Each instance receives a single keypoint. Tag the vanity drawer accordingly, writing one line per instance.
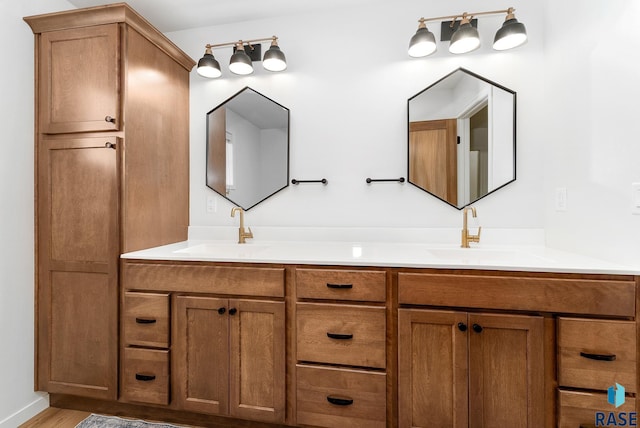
(566, 295)
(341, 334)
(362, 285)
(595, 354)
(199, 278)
(578, 409)
(331, 397)
(146, 319)
(145, 376)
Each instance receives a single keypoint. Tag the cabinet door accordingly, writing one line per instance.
(201, 354)
(506, 380)
(79, 79)
(77, 284)
(258, 366)
(432, 365)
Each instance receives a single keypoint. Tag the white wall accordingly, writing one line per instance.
(347, 86)
(591, 126)
(18, 402)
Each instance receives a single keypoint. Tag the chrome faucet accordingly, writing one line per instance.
(242, 234)
(466, 236)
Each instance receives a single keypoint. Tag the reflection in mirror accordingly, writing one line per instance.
(462, 139)
(248, 148)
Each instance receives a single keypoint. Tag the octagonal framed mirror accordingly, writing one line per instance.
(462, 138)
(248, 148)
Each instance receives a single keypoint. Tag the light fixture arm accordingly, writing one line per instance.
(468, 15)
(241, 42)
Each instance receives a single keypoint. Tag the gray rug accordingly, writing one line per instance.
(99, 421)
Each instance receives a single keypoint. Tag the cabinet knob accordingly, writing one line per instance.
(109, 146)
(221, 311)
(462, 326)
(477, 328)
(110, 119)
(233, 311)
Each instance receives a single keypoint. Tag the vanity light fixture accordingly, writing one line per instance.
(241, 62)
(462, 33)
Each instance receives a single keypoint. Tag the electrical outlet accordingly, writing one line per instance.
(212, 204)
(561, 199)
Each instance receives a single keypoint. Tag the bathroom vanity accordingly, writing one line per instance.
(377, 334)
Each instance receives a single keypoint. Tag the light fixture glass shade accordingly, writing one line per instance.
(511, 35)
(240, 63)
(465, 39)
(208, 66)
(422, 43)
(274, 59)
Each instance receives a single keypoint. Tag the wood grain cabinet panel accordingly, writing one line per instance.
(577, 409)
(229, 357)
(595, 354)
(460, 369)
(145, 376)
(341, 334)
(77, 272)
(145, 318)
(103, 186)
(349, 285)
(340, 397)
(80, 79)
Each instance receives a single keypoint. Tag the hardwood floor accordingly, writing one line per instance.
(56, 418)
(59, 418)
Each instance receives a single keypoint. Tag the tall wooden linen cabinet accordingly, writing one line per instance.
(112, 165)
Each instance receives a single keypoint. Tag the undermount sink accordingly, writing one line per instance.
(223, 250)
(481, 255)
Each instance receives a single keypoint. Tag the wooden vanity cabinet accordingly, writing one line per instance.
(229, 357)
(517, 349)
(226, 344)
(341, 347)
(112, 153)
(459, 369)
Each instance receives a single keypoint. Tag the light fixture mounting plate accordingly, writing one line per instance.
(254, 51)
(446, 30)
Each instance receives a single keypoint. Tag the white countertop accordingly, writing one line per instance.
(532, 258)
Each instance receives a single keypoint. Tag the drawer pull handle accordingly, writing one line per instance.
(145, 320)
(145, 377)
(598, 357)
(339, 336)
(340, 286)
(339, 401)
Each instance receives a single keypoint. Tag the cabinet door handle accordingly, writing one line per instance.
(110, 119)
(598, 357)
(477, 328)
(339, 401)
(145, 377)
(145, 320)
(110, 146)
(339, 336)
(221, 311)
(340, 286)
(233, 311)
(462, 326)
